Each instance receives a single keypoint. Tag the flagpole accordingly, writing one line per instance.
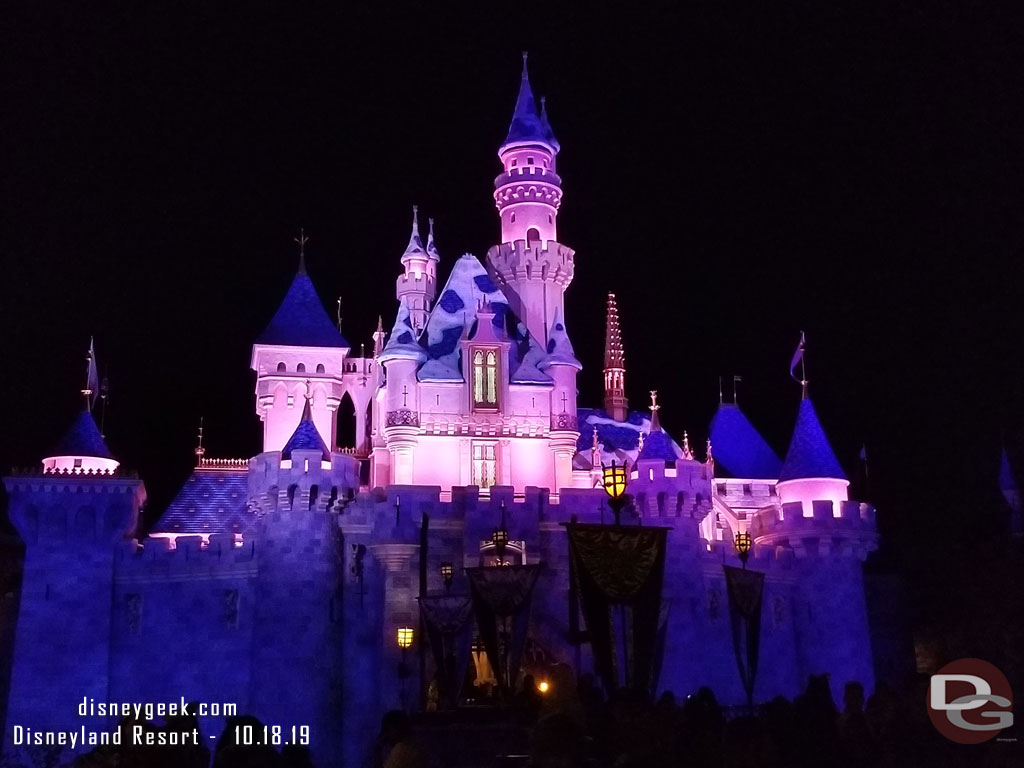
(803, 367)
(87, 391)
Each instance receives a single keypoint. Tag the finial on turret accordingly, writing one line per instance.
(431, 247)
(654, 410)
(92, 382)
(199, 450)
(640, 444)
(719, 389)
(339, 314)
(710, 459)
(735, 380)
(525, 55)
(687, 453)
(798, 357)
(302, 240)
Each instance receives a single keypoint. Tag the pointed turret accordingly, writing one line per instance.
(657, 446)
(809, 455)
(306, 437)
(559, 349)
(527, 126)
(549, 134)
(811, 471)
(431, 248)
(378, 338)
(402, 344)
(417, 285)
(740, 449)
(615, 402)
(81, 449)
(301, 320)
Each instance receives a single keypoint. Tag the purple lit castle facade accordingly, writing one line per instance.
(278, 582)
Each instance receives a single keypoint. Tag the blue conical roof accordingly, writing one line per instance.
(526, 123)
(301, 320)
(83, 438)
(305, 437)
(549, 134)
(810, 454)
(739, 447)
(1007, 482)
(659, 446)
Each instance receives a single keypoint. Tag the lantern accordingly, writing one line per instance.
(405, 635)
(447, 573)
(743, 545)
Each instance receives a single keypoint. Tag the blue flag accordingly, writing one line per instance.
(798, 357)
(92, 377)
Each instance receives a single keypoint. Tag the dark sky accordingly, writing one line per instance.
(735, 174)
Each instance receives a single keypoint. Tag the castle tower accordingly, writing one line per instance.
(561, 365)
(300, 352)
(297, 629)
(530, 262)
(401, 358)
(826, 537)
(615, 403)
(70, 516)
(417, 285)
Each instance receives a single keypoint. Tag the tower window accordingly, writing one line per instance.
(485, 465)
(514, 163)
(300, 368)
(529, 161)
(485, 379)
(513, 219)
(532, 235)
(281, 367)
(320, 368)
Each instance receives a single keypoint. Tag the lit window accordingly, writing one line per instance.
(485, 379)
(484, 465)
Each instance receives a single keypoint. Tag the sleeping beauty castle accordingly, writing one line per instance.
(478, 523)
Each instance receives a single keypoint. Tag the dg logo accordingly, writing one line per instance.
(969, 701)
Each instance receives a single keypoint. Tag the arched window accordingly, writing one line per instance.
(300, 368)
(532, 235)
(320, 368)
(485, 379)
(281, 367)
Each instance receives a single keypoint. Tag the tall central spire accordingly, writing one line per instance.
(615, 402)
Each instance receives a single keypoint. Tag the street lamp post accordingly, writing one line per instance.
(614, 478)
(404, 638)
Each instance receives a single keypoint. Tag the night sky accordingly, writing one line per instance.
(736, 175)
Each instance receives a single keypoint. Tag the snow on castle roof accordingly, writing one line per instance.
(402, 344)
(454, 317)
(560, 351)
(810, 454)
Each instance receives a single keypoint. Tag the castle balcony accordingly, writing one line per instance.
(527, 173)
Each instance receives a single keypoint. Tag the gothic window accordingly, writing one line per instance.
(485, 465)
(485, 379)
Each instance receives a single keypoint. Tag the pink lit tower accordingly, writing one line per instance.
(530, 265)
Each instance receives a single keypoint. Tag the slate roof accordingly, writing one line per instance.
(306, 437)
(810, 454)
(618, 440)
(83, 438)
(211, 501)
(301, 320)
(659, 446)
(739, 447)
(560, 351)
(527, 125)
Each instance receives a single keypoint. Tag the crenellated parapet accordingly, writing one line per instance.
(527, 184)
(303, 482)
(834, 528)
(186, 558)
(680, 489)
(520, 260)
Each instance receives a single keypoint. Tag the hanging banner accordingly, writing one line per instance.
(746, 593)
(619, 573)
(501, 601)
(450, 632)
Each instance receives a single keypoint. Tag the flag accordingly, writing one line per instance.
(92, 378)
(798, 357)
